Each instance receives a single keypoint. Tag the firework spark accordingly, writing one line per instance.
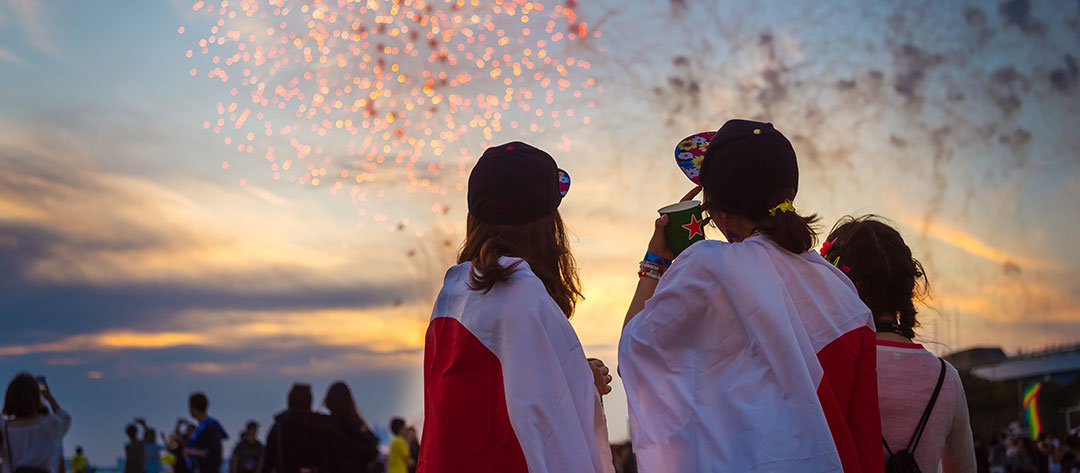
(363, 96)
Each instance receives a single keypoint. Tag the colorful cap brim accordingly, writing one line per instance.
(564, 183)
(690, 152)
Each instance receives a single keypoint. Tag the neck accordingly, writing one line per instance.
(201, 416)
(735, 228)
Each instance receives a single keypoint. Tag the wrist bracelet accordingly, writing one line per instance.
(648, 274)
(656, 259)
(650, 270)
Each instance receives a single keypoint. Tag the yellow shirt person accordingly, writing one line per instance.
(79, 463)
(399, 460)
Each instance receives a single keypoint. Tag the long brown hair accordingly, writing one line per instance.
(339, 401)
(874, 256)
(543, 244)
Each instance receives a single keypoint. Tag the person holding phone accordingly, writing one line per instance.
(753, 354)
(32, 434)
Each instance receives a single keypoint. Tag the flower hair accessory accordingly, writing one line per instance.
(825, 247)
(785, 206)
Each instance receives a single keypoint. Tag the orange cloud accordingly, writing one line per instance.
(375, 331)
(966, 242)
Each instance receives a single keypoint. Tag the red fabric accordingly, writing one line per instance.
(887, 343)
(466, 424)
(848, 395)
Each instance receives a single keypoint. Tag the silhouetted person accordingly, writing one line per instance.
(79, 463)
(414, 447)
(203, 450)
(246, 453)
(177, 441)
(358, 447)
(134, 452)
(298, 441)
(398, 461)
(152, 448)
(32, 435)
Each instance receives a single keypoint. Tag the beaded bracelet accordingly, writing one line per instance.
(650, 270)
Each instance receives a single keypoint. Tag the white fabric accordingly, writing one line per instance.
(35, 443)
(721, 368)
(551, 399)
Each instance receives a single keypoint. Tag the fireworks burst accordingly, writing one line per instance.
(364, 95)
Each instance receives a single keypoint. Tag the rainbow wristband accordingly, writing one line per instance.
(656, 259)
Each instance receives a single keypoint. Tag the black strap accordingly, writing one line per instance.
(914, 442)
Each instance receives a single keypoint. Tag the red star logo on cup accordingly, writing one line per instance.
(694, 227)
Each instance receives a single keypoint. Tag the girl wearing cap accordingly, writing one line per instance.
(507, 386)
(889, 280)
(752, 355)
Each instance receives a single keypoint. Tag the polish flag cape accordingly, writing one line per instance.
(751, 358)
(507, 387)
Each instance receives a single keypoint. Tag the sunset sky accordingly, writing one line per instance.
(143, 255)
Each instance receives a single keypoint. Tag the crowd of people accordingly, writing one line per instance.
(1011, 452)
(755, 353)
(301, 440)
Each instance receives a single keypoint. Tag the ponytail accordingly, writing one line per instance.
(793, 232)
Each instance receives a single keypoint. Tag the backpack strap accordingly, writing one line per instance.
(914, 442)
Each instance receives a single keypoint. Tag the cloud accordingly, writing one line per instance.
(235, 340)
(29, 16)
(971, 244)
(9, 56)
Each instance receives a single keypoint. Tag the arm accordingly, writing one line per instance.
(958, 454)
(65, 418)
(658, 245)
(646, 287)
(46, 393)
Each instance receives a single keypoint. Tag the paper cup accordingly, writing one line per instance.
(684, 225)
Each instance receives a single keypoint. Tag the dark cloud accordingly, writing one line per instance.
(1063, 78)
(974, 16)
(912, 63)
(1017, 141)
(1018, 13)
(1006, 86)
(35, 311)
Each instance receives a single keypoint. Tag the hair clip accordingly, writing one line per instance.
(785, 206)
(825, 246)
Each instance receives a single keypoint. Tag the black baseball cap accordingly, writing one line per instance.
(514, 184)
(749, 168)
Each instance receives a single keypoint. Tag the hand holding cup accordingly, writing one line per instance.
(662, 244)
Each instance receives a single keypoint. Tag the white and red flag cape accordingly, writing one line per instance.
(751, 358)
(507, 387)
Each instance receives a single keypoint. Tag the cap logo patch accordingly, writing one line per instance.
(564, 183)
